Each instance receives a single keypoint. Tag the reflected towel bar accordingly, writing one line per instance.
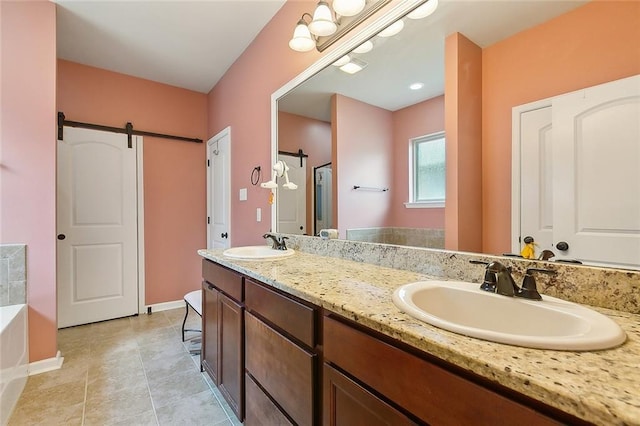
(369, 188)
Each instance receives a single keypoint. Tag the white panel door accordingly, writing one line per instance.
(97, 252)
(596, 154)
(218, 190)
(536, 177)
(292, 204)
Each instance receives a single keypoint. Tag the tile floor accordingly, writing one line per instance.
(129, 371)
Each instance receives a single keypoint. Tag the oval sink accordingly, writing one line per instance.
(551, 323)
(257, 253)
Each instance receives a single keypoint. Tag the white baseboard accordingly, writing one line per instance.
(165, 306)
(45, 365)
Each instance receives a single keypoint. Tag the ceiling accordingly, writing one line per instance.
(416, 54)
(188, 44)
(191, 44)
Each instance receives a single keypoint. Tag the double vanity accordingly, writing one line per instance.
(316, 338)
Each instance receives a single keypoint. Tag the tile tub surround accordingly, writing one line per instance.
(416, 237)
(13, 276)
(602, 387)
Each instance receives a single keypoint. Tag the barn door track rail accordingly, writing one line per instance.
(127, 130)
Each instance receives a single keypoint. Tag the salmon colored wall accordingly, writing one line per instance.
(241, 99)
(174, 171)
(314, 138)
(590, 45)
(463, 114)
(416, 120)
(363, 156)
(28, 162)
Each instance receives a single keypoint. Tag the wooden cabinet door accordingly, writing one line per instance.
(346, 403)
(260, 410)
(231, 377)
(209, 356)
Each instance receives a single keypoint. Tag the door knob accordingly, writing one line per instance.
(224, 235)
(61, 236)
(562, 246)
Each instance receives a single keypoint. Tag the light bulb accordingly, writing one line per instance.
(425, 10)
(322, 23)
(348, 7)
(392, 29)
(302, 41)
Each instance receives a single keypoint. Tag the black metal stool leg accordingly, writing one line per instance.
(184, 322)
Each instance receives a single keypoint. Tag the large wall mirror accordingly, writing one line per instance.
(356, 130)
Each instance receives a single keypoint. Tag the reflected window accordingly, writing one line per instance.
(427, 171)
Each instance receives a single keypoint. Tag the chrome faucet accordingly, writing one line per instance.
(498, 279)
(278, 243)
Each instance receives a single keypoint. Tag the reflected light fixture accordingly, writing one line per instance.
(416, 86)
(344, 60)
(425, 10)
(348, 7)
(392, 29)
(364, 47)
(353, 66)
(280, 169)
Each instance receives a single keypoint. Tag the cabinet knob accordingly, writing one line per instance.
(61, 236)
(224, 235)
(562, 246)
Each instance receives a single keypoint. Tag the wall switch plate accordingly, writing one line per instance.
(259, 214)
(243, 194)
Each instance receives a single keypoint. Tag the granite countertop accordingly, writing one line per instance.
(602, 387)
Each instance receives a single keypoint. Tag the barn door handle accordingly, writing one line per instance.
(61, 236)
(224, 235)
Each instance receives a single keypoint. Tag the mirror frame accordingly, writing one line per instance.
(359, 37)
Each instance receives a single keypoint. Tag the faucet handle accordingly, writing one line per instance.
(490, 278)
(529, 289)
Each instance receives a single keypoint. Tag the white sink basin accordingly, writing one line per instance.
(551, 323)
(257, 253)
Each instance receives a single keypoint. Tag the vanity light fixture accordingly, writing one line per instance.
(353, 66)
(326, 26)
(280, 169)
(348, 7)
(392, 29)
(322, 23)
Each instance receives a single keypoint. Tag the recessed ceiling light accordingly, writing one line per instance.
(364, 47)
(392, 29)
(354, 66)
(416, 86)
(344, 60)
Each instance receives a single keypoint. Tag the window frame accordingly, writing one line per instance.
(413, 146)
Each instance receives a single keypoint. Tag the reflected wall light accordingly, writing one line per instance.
(326, 26)
(280, 169)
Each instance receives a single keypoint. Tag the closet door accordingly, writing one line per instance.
(596, 173)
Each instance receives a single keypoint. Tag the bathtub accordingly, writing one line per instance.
(14, 357)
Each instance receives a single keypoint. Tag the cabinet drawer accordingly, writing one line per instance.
(283, 369)
(433, 394)
(224, 279)
(260, 410)
(293, 317)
